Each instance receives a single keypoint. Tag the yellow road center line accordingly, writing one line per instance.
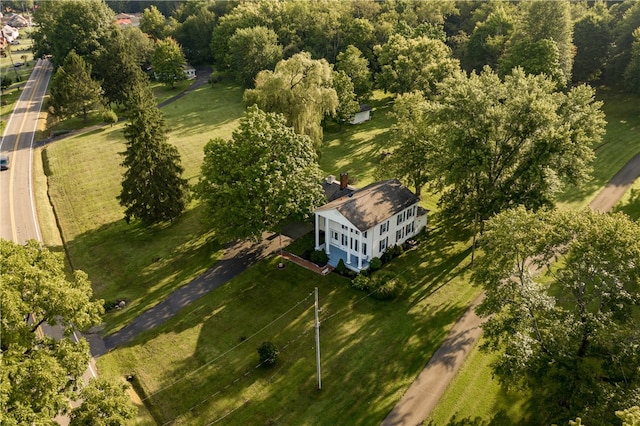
(12, 213)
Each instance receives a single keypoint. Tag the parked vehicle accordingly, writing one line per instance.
(4, 162)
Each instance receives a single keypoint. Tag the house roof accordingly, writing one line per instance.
(332, 190)
(373, 204)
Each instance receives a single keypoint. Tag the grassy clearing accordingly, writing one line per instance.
(474, 395)
(630, 203)
(371, 350)
(619, 145)
(139, 265)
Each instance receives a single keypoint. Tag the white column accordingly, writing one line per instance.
(350, 243)
(315, 217)
(360, 250)
(327, 235)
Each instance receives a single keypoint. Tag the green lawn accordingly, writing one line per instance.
(475, 395)
(124, 261)
(619, 145)
(372, 350)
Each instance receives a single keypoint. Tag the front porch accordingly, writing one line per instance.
(337, 253)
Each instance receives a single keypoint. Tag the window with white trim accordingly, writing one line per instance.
(400, 218)
(383, 244)
(384, 227)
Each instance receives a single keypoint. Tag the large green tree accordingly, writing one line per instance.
(194, 33)
(68, 25)
(534, 57)
(415, 143)
(168, 62)
(489, 39)
(301, 89)
(264, 175)
(153, 189)
(40, 374)
(566, 330)
(118, 64)
(623, 30)
(347, 104)
(592, 38)
(104, 403)
(548, 20)
(408, 64)
(252, 50)
(73, 91)
(632, 71)
(512, 142)
(356, 66)
(154, 23)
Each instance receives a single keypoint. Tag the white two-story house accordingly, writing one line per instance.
(361, 223)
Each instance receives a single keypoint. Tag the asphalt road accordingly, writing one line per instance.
(18, 216)
(18, 220)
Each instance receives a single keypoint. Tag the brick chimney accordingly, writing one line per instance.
(344, 180)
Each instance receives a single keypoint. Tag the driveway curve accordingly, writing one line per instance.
(425, 392)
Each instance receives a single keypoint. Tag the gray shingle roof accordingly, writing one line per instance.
(373, 204)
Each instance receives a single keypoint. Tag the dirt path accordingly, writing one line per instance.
(425, 392)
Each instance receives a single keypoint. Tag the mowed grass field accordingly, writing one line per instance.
(199, 366)
(129, 262)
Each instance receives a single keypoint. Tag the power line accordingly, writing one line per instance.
(238, 378)
(225, 353)
(251, 370)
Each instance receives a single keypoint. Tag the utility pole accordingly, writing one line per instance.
(318, 341)
(473, 246)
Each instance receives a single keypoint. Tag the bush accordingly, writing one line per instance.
(268, 353)
(341, 267)
(361, 282)
(319, 257)
(215, 77)
(6, 82)
(375, 264)
(387, 286)
(110, 117)
(392, 252)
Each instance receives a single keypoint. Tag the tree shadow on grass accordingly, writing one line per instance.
(370, 351)
(143, 265)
